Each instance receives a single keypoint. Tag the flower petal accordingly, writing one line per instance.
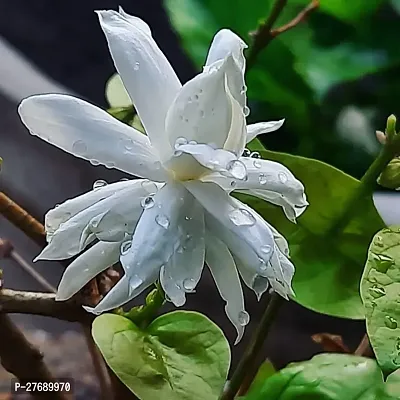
(139, 23)
(86, 267)
(183, 271)
(158, 234)
(88, 132)
(223, 270)
(76, 233)
(145, 71)
(240, 220)
(226, 43)
(202, 111)
(253, 130)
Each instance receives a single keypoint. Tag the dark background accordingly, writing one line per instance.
(63, 39)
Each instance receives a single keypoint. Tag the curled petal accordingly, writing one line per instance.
(253, 130)
(202, 111)
(243, 223)
(86, 267)
(88, 132)
(183, 271)
(76, 233)
(145, 71)
(223, 270)
(135, 21)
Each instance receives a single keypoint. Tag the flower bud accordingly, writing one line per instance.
(390, 177)
(381, 137)
(391, 127)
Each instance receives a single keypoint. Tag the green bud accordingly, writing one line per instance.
(390, 177)
(391, 127)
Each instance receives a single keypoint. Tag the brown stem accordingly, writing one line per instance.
(364, 348)
(265, 33)
(22, 359)
(37, 303)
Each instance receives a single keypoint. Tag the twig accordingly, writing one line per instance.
(37, 303)
(22, 359)
(250, 354)
(364, 348)
(265, 33)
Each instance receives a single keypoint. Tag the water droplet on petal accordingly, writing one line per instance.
(192, 142)
(109, 164)
(128, 144)
(390, 322)
(377, 291)
(246, 111)
(263, 265)
(147, 202)
(257, 164)
(196, 96)
(243, 89)
(79, 147)
(283, 177)
(201, 113)
(246, 153)
(149, 186)
(243, 318)
(136, 66)
(124, 180)
(233, 183)
(179, 142)
(134, 282)
(242, 217)
(266, 249)
(262, 178)
(189, 284)
(125, 246)
(162, 220)
(99, 184)
(255, 154)
(237, 169)
(94, 162)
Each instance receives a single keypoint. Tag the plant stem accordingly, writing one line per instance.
(366, 187)
(250, 354)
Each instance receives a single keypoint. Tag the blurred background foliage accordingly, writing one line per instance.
(335, 77)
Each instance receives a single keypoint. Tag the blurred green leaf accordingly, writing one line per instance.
(180, 355)
(264, 372)
(116, 94)
(380, 292)
(329, 377)
(328, 266)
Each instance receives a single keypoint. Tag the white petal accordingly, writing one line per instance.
(253, 130)
(125, 290)
(237, 218)
(223, 270)
(226, 43)
(88, 132)
(65, 211)
(146, 73)
(202, 111)
(77, 232)
(158, 235)
(137, 22)
(86, 267)
(183, 271)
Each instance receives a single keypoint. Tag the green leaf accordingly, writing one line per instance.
(264, 372)
(380, 292)
(329, 377)
(328, 266)
(180, 355)
(116, 94)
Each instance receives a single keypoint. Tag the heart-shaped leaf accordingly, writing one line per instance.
(380, 292)
(180, 355)
(328, 264)
(329, 377)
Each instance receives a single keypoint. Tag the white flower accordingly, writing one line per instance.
(165, 226)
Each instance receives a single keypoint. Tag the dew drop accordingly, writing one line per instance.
(196, 96)
(243, 318)
(237, 169)
(255, 154)
(189, 284)
(390, 322)
(147, 202)
(378, 241)
(150, 187)
(397, 344)
(128, 144)
(266, 249)
(283, 177)
(99, 184)
(178, 143)
(109, 164)
(242, 217)
(246, 111)
(263, 265)
(243, 89)
(396, 360)
(201, 113)
(134, 282)
(125, 246)
(383, 262)
(257, 164)
(79, 147)
(246, 153)
(233, 183)
(377, 291)
(162, 220)
(124, 180)
(136, 66)
(262, 178)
